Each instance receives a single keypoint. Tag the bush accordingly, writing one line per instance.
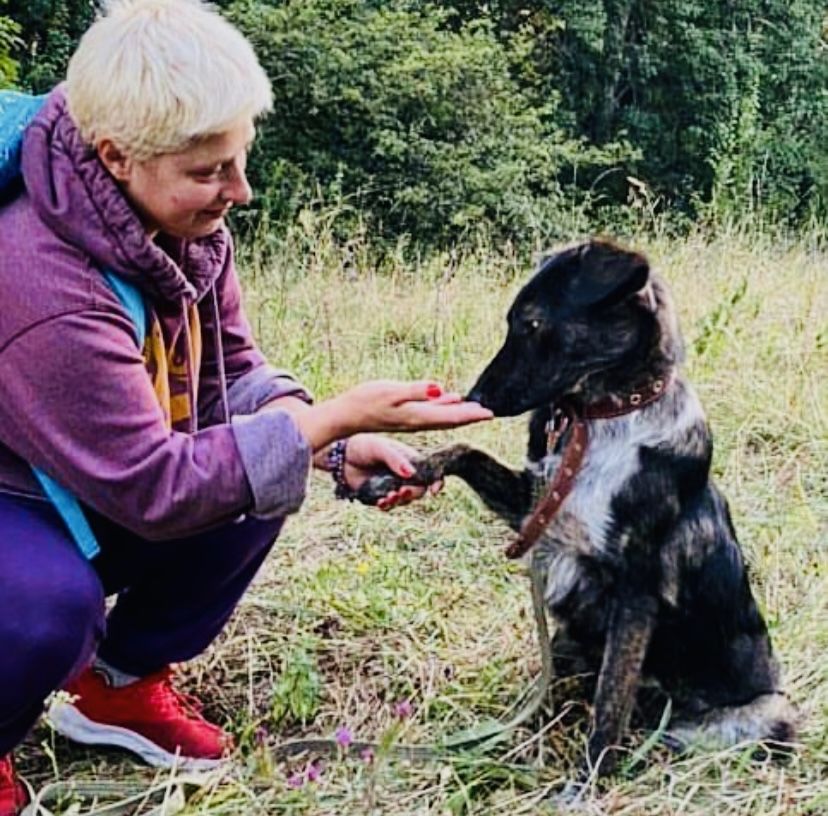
(49, 32)
(419, 124)
(8, 41)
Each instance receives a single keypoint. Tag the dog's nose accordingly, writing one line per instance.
(475, 395)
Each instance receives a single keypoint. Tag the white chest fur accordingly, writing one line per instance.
(584, 524)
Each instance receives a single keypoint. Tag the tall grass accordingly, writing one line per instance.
(356, 610)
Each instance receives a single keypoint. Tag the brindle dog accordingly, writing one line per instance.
(644, 575)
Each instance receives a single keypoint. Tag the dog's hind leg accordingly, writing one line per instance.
(508, 493)
(770, 718)
(630, 628)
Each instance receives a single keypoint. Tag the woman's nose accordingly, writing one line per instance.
(238, 190)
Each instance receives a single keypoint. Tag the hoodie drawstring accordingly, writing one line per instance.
(218, 347)
(188, 365)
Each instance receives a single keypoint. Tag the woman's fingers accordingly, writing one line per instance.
(420, 391)
(436, 416)
(397, 498)
(398, 460)
(386, 405)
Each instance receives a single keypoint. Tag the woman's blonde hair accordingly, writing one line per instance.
(156, 75)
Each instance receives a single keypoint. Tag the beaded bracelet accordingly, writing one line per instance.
(336, 463)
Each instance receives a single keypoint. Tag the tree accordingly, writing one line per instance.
(49, 31)
(9, 40)
(417, 122)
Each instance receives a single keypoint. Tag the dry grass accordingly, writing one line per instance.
(357, 609)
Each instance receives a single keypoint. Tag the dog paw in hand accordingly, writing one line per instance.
(377, 487)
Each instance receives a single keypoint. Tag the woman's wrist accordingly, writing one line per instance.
(337, 457)
(323, 423)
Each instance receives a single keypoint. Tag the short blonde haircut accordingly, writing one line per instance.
(155, 76)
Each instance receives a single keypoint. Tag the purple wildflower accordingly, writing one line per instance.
(403, 709)
(313, 772)
(344, 737)
(367, 756)
(296, 780)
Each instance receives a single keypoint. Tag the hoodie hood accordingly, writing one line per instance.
(77, 198)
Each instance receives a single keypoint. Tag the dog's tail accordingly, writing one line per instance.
(769, 718)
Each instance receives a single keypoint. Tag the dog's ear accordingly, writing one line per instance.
(607, 274)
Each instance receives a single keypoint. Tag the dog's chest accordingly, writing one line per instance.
(584, 537)
(584, 521)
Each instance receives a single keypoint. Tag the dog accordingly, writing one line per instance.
(642, 569)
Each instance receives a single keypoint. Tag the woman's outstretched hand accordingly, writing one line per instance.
(387, 405)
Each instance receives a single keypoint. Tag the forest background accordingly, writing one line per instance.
(430, 123)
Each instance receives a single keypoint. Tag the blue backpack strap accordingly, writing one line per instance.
(66, 504)
(16, 111)
(71, 512)
(133, 301)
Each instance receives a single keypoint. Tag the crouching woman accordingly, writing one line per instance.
(133, 388)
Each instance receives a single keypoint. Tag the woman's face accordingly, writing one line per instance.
(186, 194)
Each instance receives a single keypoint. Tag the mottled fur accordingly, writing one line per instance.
(645, 577)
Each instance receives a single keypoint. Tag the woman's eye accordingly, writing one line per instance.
(208, 172)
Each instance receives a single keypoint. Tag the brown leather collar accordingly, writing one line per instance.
(570, 418)
(618, 405)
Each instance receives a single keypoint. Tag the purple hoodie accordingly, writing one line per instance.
(77, 400)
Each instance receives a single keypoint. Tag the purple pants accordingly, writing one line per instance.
(174, 597)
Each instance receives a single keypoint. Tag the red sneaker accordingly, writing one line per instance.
(13, 796)
(148, 717)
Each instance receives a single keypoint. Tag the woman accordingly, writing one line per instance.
(185, 454)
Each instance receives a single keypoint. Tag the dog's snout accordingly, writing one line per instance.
(475, 395)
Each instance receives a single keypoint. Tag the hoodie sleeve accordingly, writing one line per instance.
(78, 404)
(251, 381)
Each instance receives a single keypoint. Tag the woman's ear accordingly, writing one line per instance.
(118, 163)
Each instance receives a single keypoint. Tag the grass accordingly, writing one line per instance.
(356, 610)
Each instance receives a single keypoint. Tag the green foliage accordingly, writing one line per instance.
(429, 122)
(418, 124)
(49, 30)
(727, 103)
(296, 696)
(9, 40)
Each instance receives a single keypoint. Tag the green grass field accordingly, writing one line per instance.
(357, 610)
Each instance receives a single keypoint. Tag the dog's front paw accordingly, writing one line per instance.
(602, 757)
(377, 487)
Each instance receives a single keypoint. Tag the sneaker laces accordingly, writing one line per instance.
(168, 699)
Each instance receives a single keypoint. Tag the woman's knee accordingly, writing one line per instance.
(51, 623)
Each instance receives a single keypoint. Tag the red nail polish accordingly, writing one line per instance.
(433, 391)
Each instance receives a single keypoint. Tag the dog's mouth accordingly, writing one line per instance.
(499, 407)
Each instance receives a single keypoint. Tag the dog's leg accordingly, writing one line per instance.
(628, 636)
(508, 493)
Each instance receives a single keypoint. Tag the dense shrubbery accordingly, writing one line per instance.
(9, 41)
(436, 119)
(419, 124)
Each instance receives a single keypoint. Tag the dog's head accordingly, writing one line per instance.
(590, 315)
